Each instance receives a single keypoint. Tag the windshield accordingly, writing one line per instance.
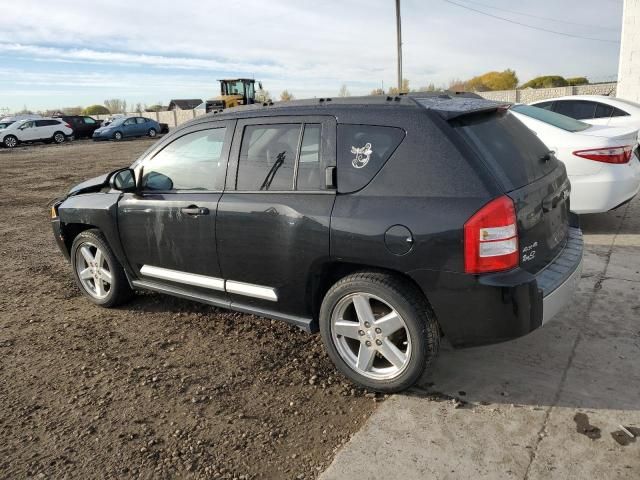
(555, 119)
(4, 124)
(234, 88)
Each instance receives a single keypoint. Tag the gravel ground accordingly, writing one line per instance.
(159, 388)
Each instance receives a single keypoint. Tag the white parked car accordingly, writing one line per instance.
(602, 162)
(595, 109)
(49, 130)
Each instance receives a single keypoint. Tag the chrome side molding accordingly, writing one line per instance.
(251, 290)
(183, 277)
(213, 283)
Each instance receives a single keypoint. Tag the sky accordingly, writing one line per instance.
(74, 53)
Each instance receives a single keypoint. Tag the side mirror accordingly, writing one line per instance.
(123, 180)
(260, 85)
(157, 181)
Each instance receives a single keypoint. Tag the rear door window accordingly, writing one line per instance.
(511, 151)
(268, 157)
(362, 151)
(619, 113)
(578, 109)
(603, 111)
(309, 175)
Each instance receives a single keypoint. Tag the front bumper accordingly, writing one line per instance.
(102, 135)
(59, 236)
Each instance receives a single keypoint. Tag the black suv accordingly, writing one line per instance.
(82, 125)
(384, 222)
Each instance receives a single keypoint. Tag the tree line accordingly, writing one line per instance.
(490, 81)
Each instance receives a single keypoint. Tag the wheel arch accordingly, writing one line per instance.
(327, 274)
(71, 230)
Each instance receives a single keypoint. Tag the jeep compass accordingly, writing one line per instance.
(385, 223)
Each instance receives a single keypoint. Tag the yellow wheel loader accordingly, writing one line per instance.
(233, 92)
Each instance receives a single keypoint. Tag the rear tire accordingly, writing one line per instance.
(379, 330)
(58, 137)
(10, 141)
(152, 132)
(96, 270)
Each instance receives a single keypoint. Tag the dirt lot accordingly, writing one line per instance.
(159, 388)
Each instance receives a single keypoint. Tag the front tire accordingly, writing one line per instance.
(379, 330)
(97, 271)
(117, 136)
(58, 137)
(10, 141)
(152, 132)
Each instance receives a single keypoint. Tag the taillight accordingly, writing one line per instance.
(67, 125)
(607, 155)
(491, 238)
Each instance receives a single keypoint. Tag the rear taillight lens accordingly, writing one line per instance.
(491, 238)
(67, 125)
(607, 155)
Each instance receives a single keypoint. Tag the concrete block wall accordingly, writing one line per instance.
(532, 94)
(629, 66)
(172, 118)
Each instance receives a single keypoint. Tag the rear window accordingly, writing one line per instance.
(512, 152)
(577, 109)
(362, 151)
(552, 118)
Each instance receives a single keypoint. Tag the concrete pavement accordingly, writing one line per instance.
(522, 397)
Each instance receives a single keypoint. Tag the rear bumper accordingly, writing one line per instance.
(560, 279)
(484, 309)
(612, 186)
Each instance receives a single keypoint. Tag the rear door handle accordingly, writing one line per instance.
(195, 210)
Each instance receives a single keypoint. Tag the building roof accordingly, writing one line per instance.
(184, 103)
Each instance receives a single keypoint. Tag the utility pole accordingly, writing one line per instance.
(399, 32)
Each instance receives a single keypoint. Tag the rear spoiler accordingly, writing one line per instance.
(449, 107)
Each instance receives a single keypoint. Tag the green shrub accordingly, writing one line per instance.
(546, 81)
(578, 81)
(96, 110)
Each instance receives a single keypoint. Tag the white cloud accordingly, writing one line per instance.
(310, 48)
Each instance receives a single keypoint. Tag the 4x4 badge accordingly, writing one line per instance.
(362, 155)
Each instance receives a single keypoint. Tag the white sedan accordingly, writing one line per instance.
(595, 109)
(602, 162)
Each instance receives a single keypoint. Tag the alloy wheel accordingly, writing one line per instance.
(93, 270)
(370, 336)
(58, 138)
(10, 142)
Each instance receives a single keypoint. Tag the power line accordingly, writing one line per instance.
(541, 18)
(531, 26)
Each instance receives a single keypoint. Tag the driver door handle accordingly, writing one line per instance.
(195, 210)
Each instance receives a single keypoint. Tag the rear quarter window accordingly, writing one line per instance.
(362, 151)
(512, 152)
